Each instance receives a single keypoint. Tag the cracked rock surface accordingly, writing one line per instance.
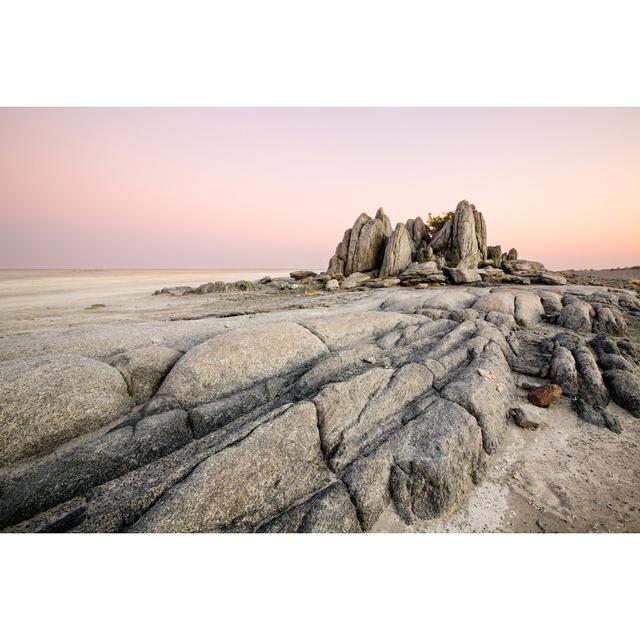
(319, 419)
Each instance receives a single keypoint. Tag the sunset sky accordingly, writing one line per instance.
(269, 188)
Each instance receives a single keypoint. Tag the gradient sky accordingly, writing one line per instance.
(268, 188)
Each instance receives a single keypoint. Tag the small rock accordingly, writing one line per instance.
(356, 279)
(301, 275)
(515, 280)
(525, 419)
(463, 276)
(547, 277)
(332, 285)
(545, 395)
(384, 283)
(523, 265)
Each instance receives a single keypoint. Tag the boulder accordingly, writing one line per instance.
(301, 275)
(420, 233)
(338, 261)
(354, 238)
(381, 215)
(336, 266)
(239, 358)
(144, 369)
(370, 246)
(614, 361)
(563, 371)
(490, 274)
(47, 400)
(551, 301)
(544, 395)
(609, 320)
(332, 285)
(175, 291)
(495, 253)
(576, 315)
(462, 240)
(383, 284)
(397, 255)
(528, 309)
(512, 254)
(417, 270)
(463, 276)
(548, 277)
(435, 278)
(526, 419)
(519, 267)
(354, 280)
(510, 279)
(500, 301)
(625, 389)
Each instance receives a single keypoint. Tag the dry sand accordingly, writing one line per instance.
(35, 289)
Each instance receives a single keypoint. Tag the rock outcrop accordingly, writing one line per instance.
(462, 239)
(362, 247)
(370, 246)
(301, 422)
(48, 400)
(398, 252)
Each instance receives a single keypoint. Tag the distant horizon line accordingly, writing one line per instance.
(291, 268)
(149, 268)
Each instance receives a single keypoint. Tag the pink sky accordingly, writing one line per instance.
(268, 188)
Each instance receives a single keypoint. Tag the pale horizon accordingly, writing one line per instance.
(251, 188)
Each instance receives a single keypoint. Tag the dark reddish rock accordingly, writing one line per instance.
(545, 395)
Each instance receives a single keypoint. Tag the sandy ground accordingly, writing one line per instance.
(567, 476)
(36, 300)
(36, 289)
(627, 278)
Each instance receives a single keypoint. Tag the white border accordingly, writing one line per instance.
(335, 52)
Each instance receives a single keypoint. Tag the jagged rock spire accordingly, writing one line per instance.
(463, 239)
(371, 245)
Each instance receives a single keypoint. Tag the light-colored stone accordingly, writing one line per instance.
(529, 266)
(354, 280)
(47, 400)
(463, 239)
(397, 255)
(463, 276)
(332, 285)
(230, 362)
(278, 464)
(144, 369)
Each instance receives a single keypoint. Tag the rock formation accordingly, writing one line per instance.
(463, 239)
(397, 253)
(318, 420)
(297, 422)
(371, 246)
(458, 249)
